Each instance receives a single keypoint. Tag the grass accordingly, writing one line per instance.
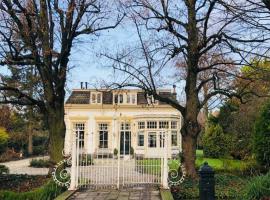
(153, 166)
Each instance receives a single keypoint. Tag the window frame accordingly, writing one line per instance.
(154, 134)
(96, 94)
(140, 133)
(103, 128)
(174, 133)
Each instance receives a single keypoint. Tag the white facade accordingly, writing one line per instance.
(125, 126)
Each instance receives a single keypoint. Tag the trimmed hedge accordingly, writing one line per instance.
(47, 192)
(40, 163)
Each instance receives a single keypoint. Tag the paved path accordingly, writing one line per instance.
(22, 167)
(142, 193)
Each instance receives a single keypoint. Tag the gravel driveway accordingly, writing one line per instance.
(22, 167)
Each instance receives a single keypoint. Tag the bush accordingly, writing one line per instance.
(261, 139)
(39, 150)
(9, 155)
(115, 152)
(215, 143)
(46, 192)
(3, 139)
(257, 188)
(4, 169)
(39, 163)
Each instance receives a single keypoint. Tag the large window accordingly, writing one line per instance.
(152, 124)
(174, 138)
(140, 139)
(103, 135)
(152, 140)
(79, 131)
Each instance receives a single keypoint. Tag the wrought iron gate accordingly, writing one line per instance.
(103, 169)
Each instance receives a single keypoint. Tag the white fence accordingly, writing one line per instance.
(105, 170)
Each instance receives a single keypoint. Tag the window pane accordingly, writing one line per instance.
(174, 125)
(151, 124)
(161, 139)
(164, 124)
(152, 140)
(99, 98)
(116, 98)
(133, 99)
(128, 98)
(94, 98)
(103, 135)
(120, 98)
(140, 139)
(141, 125)
(79, 131)
(174, 138)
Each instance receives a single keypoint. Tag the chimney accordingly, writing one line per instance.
(86, 85)
(82, 85)
(174, 89)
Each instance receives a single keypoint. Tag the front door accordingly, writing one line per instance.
(125, 142)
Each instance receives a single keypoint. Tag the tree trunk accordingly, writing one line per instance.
(30, 138)
(189, 155)
(57, 131)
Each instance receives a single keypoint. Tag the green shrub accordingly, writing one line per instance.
(4, 169)
(115, 152)
(3, 139)
(46, 192)
(39, 150)
(215, 143)
(261, 139)
(257, 188)
(39, 163)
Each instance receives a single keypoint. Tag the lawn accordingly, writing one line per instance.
(153, 166)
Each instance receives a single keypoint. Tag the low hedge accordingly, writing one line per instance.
(4, 169)
(47, 192)
(40, 163)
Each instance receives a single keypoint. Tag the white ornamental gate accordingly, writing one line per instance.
(102, 169)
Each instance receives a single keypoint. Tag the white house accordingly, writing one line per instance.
(126, 120)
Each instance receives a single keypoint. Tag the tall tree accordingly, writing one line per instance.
(40, 34)
(187, 30)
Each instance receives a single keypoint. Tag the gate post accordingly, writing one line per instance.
(74, 152)
(165, 164)
(207, 182)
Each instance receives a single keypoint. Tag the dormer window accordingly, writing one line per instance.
(125, 98)
(96, 97)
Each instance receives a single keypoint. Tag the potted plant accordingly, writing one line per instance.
(115, 153)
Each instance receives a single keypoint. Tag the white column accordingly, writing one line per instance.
(73, 164)
(165, 164)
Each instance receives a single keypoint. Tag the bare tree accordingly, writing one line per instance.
(188, 30)
(40, 34)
